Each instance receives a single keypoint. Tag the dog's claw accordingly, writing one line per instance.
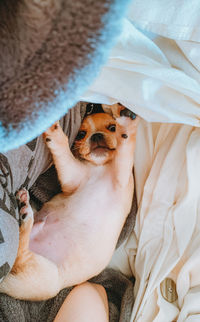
(25, 210)
(22, 195)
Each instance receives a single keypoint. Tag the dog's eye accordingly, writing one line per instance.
(80, 135)
(112, 127)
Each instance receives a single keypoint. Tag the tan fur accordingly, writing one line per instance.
(93, 124)
(113, 110)
(96, 199)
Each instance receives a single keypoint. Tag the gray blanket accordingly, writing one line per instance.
(30, 166)
(119, 290)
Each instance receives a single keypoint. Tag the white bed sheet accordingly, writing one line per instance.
(144, 77)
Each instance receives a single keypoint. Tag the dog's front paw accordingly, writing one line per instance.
(54, 136)
(128, 122)
(25, 210)
(52, 132)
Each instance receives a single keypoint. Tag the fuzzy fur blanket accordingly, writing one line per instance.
(50, 51)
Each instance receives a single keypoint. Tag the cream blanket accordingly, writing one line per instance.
(154, 70)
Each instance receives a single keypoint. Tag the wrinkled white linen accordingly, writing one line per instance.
(176, 19)
(158, 78)
(144, 78)
(166, 240)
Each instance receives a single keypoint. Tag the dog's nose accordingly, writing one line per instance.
(97, 137)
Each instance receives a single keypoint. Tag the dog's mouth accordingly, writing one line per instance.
(101, 147)
(100, 150)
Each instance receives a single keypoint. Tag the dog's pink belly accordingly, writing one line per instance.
(50, 241)
(75, 228)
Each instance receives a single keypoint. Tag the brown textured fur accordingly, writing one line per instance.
(42, 42)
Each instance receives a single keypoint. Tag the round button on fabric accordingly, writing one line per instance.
(168, 290)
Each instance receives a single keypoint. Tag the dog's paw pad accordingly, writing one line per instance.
(23, 216)
(124, 136)
(23, 197)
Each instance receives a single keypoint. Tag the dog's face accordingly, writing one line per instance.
(97, 139)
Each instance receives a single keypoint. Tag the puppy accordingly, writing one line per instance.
(75, 233)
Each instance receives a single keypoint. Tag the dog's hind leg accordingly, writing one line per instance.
(32, 277)
(26, 224)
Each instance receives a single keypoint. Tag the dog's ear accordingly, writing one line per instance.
(92, 108)
(113, 110)
(107, 109)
